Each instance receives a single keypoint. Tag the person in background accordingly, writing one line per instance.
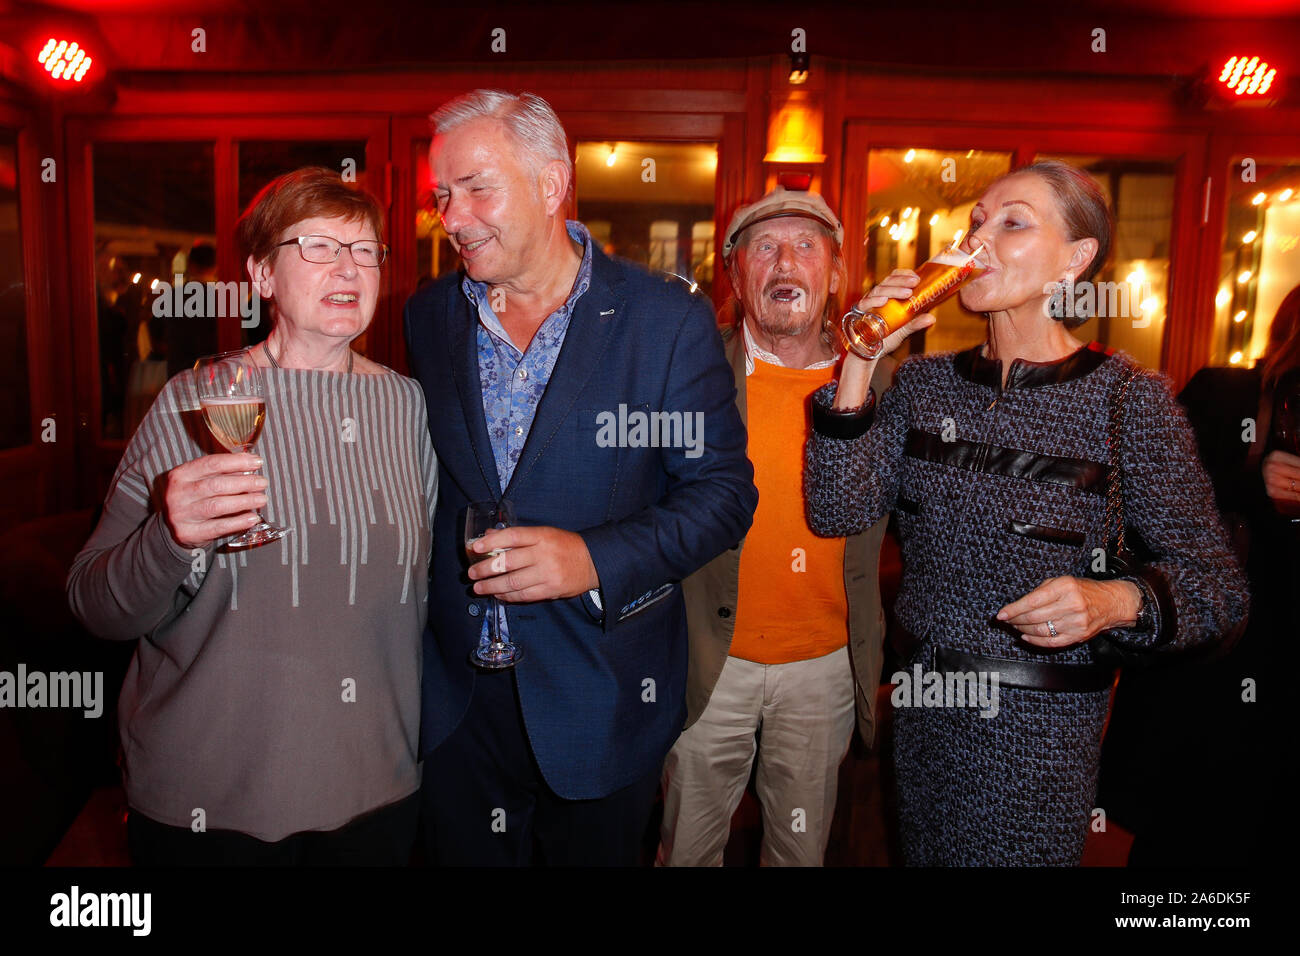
(528, 357)
(785, 630)
(271, 710)
(190, 336)
(995, 461)
(1223, 703)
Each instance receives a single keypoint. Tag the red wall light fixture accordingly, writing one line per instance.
(1247, 76)
(64, 60)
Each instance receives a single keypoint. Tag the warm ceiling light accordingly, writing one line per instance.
(1240, 316)
(907, 213)
(884, 222)
(909, 156)
(957, 236)
(1259, 198)
(1249, 237)
(64, 60)
(1284, 195)
(1223, 297)
(934, 219)
(1244, 277)
(1249, 77)
(1235, 358)
(1149, 305)
(135, 279)
(611, 158)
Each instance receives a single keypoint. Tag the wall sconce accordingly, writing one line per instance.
(794, 133)
(799, 68)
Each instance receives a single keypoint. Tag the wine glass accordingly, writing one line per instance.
(494, 652)
(232, 395)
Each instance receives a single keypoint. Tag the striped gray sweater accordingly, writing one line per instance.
(275, 689)
(995, 490)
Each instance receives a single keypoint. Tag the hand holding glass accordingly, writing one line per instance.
(495, 651)
(232, 395)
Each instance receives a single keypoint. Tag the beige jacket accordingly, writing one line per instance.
(711, 593)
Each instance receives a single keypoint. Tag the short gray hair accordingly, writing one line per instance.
(526, 116)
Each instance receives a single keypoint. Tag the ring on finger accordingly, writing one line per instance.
(1051, 629)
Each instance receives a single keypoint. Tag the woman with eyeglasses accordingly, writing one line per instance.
(271, 712)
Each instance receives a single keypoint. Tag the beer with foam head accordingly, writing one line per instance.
(865, 332)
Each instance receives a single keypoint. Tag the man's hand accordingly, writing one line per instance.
(1282, 480)
(541, 564)
(211, 497)
(1078, 608)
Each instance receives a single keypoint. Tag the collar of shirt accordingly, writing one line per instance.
(753, 352)
(479, 294)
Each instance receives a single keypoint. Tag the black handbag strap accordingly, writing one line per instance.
(1113, 522)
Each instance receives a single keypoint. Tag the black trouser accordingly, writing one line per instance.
(383, 837)
(486, 804)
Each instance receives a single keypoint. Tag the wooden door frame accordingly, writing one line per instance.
(37, 474)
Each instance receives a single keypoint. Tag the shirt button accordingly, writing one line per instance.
(724, 612)
(519, 429)
(473, 610)
(523, 374)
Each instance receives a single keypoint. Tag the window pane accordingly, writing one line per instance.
(260, 162)
(1136, 289)
(154, 217)
(1261, 259)
(918, 200)
(15, 414)
(653, 197)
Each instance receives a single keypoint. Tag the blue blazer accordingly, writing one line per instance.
(602, 688)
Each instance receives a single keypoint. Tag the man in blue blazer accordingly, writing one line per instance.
(597, 399)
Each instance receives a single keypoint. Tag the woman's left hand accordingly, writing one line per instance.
(1078, 608)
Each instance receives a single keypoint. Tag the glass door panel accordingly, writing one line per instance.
(918, 201)
(154, 212)
(1132, 290)
(1260, 258)
(651, 202)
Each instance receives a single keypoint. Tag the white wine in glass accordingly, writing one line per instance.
(233, 400)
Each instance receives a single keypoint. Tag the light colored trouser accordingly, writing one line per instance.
(805, 711)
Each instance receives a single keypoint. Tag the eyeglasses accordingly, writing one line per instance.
(365, 252)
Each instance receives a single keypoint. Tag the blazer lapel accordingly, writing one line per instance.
(590, 328)
(464, 369)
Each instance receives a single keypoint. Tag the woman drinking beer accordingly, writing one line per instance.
(997, 464)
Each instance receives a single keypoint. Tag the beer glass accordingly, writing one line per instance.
(865, 332)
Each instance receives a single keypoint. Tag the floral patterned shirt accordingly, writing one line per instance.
(513, 382)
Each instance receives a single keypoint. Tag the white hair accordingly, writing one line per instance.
(527, 117)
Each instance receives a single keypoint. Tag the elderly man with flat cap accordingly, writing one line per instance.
(786, 629)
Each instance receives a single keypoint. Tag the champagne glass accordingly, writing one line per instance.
(232, 395)
(494, 652)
